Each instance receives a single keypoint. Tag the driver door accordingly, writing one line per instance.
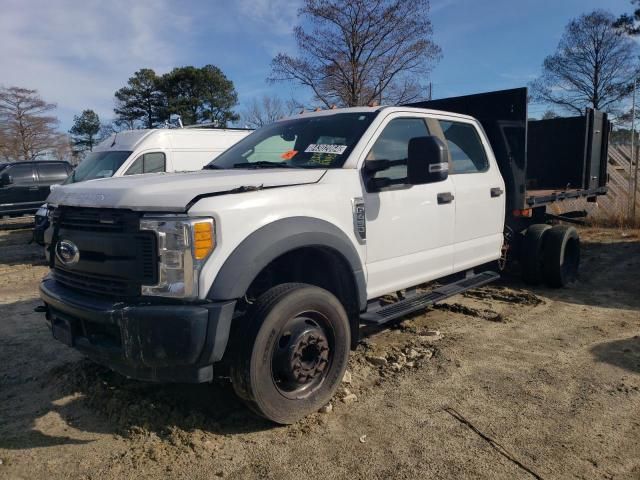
(409, 228)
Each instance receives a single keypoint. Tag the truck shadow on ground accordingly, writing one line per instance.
(609, 277)
(621, 353)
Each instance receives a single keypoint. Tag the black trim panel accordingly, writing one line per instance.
(169, 342)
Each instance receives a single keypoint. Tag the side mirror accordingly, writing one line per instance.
(428, 161)
(5, 179)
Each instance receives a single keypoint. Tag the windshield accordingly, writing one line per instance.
(98, 165)
(312, 142)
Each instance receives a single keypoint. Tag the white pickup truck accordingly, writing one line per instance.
(263, 266)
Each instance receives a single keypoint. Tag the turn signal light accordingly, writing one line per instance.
(527, 212)
(203, 241)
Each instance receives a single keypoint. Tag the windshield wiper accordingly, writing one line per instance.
(262, 164)
(211, 166)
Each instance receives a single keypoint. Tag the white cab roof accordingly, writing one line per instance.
(179, 138)
(386, 109)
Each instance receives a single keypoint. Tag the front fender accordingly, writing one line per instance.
(271, 241)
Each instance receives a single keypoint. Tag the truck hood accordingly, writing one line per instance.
(174, 192)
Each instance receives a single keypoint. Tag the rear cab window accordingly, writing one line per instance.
(51, 172)
(465, 147)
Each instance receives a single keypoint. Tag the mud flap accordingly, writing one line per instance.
(61, 330)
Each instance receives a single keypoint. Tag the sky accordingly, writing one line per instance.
(78, 53)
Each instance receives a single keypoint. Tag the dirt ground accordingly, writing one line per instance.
(519, 383)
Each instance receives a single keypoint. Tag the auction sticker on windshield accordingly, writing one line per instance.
(321, 148)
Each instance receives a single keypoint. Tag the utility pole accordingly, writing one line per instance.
(632, 196)
(635, 190)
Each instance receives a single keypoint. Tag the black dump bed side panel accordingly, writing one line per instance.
(568, 153)
(556, 153)
(503, 115)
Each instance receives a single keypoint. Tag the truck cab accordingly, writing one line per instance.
(25, 185)
(263, 266)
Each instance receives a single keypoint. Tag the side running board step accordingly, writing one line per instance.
(396, 310)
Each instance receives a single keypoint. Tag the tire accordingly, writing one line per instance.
(292, 353)
(532, 256)
(561, 252)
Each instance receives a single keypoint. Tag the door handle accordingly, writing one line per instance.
(496, 192)
(445, 197)
(34, 188)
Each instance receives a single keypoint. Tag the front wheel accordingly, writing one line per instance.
(293, 352)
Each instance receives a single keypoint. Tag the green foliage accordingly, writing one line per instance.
(630, 23)
(85, 130)
(141, 101)
(198, 95)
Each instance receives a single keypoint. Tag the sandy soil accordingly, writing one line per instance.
(520, 383)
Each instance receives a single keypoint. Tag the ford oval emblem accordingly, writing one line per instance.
(67, 252)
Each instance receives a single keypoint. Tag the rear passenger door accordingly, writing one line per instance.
(50, 174)
(23, 190)
(479, 195)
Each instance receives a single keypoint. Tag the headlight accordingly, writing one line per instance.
(184, 244)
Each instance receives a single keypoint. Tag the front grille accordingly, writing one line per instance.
(97, 220)
(116, 258)
(98, 284)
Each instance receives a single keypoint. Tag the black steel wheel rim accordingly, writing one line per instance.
(302, 354)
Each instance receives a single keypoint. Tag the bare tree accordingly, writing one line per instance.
(593, 66)
(63, 149)
(358, 51)
(27, 132)
(267, 110)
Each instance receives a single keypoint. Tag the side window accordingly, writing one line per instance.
(148, 163)
(393, 144)
(465, 147)
(136, 166)
(21, 174)
(154, 162)
(51, 172)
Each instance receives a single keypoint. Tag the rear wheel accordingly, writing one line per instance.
(531, 257)
(561, 252)
(293, 353)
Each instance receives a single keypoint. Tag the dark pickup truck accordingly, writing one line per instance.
(25, 186)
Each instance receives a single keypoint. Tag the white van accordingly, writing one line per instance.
(132, 152)
(150, 151)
